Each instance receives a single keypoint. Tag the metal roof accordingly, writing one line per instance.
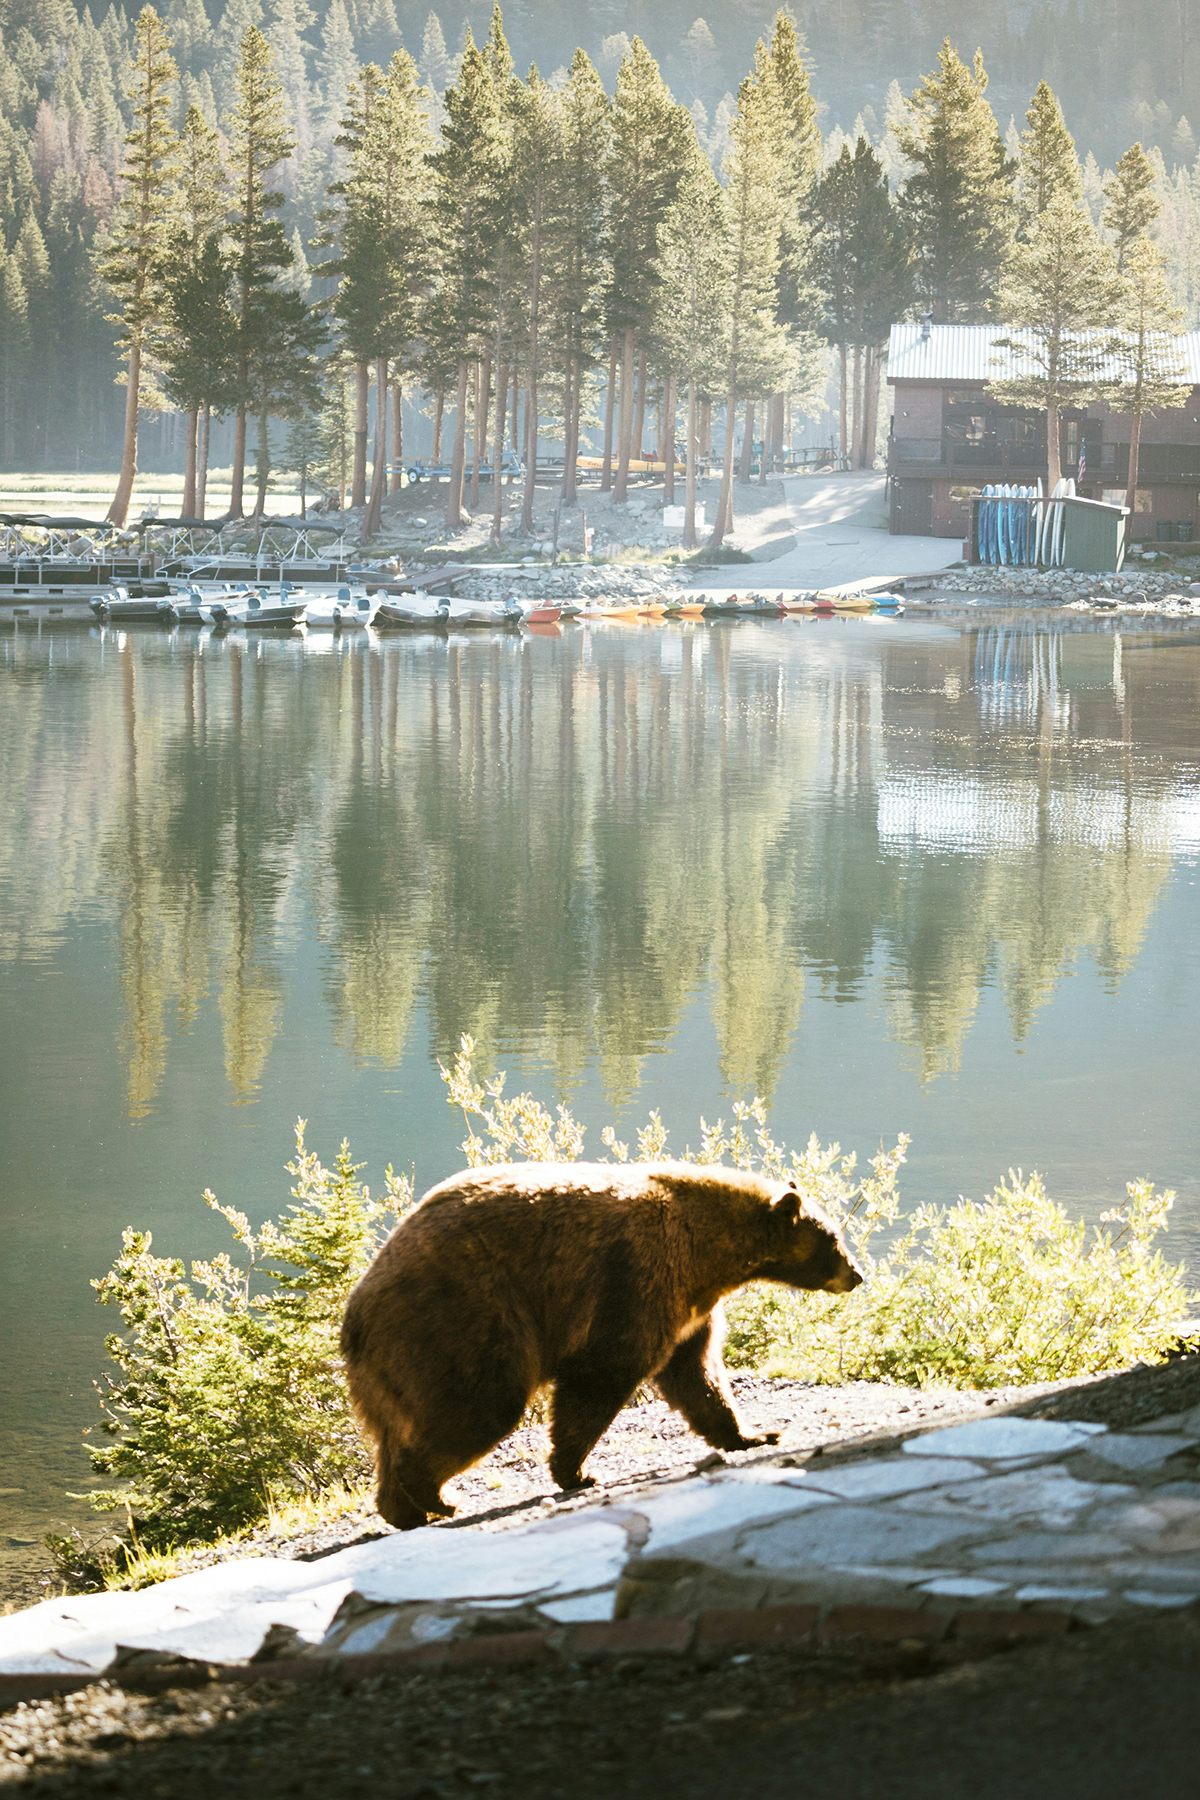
(918, 352)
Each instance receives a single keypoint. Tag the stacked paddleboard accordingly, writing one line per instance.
(1009, 525)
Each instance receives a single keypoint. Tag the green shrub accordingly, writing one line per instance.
(229, 1390)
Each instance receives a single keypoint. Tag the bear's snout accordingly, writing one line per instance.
(847, 1278)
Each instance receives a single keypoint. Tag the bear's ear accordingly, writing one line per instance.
(787, 1207)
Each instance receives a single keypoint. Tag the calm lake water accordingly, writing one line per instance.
(890, 875)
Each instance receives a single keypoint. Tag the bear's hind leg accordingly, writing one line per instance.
(693, 1382)
(587, 1399)
(455, 1428)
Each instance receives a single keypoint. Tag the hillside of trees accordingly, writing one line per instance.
(670, 217)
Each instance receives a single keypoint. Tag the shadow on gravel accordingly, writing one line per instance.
(1100, 1715)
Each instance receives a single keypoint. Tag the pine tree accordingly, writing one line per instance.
(1046, 161)
(14, 351)
(196, 352)
(132, 264)
(1133, 206)
(575, 249)
(288, 19)
(759, 359)
(259, 140)
(958, 198)
(862, 262)
(507, 255)
(648, 150)
(384, 261)
(337, 428)
(379, 36)
(360, 99)
(337, 65)
(691, 329)
(191, 33)
(437, 65)
(33, 264)
(1063, 293)
(200, 357)
(536, 159)
(302, 452)
(238, 17)
(467, 168)
(800, 159)
(1152, 373)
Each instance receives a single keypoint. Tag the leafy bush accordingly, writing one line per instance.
(229, 1394)
(229, 1390)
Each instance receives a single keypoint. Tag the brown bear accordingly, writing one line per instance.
(593, 1276)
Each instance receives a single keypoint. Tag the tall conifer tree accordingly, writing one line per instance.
(197, 277)
(648, 150)
(575, 260)
(384, 249)
(1152, 371)
(758, 360)
(1132, 204)
(537, 145)
(467, 185)
(863, 265)
(14, 350)
(958, 198)
(259, 140)
(695, 278)
(133, 262)
(1047, 163)
(1063, 291)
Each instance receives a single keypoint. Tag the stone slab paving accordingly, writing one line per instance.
(1006, 1514)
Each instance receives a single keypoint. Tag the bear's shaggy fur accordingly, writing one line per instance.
(593, 1276)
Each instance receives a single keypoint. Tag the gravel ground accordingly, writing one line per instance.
(1104, 1715)
(524, 1732)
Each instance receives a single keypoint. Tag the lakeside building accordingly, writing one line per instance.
(949, 438)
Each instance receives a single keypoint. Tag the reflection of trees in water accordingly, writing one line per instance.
(561, 846)
(199, 849)
(561, 834)
(1013, 847)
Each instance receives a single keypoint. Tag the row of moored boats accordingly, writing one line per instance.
(227, 605)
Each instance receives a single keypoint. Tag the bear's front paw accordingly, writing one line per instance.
(572, 1484)
(753, 1443)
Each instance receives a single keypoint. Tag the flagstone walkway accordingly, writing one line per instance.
(1003, 1513)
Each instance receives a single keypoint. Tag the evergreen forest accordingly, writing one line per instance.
(277, 236)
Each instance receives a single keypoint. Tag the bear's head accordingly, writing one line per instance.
(806, 1250)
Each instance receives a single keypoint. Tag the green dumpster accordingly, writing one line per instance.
(1093, 535)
